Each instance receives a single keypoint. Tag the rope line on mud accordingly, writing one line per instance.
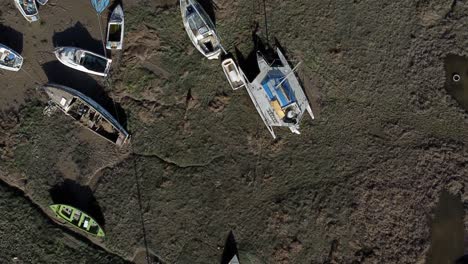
(109, 84)
(140, 204)
(31, 77)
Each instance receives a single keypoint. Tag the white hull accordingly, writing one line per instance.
(235, 77)
(278, 96)
(28, 9)
(115, 29)
(42, 2)
(200, 29)
(83, 60)
(9, 59)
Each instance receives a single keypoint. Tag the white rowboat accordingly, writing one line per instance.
(115, 30)
(233, 74)
(9, 59)
(83, 60)
(28, 9)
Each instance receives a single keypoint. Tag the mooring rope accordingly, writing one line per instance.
(31, 77)
(109, 85)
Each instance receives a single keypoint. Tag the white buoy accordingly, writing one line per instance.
(456, 77)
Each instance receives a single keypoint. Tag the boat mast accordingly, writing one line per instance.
(285, 77)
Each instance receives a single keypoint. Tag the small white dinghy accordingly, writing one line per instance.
(42, 2)
(233, 74)
(28, 9)
(9, 59)
(115, 30)
(83, 60)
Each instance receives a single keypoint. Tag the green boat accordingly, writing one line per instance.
(78, 219)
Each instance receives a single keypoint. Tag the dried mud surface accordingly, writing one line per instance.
(359, 185)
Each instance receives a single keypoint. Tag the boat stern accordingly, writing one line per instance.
(214, 55)
(108, 65)
(18, 63)
(32, 18)
(100, 233)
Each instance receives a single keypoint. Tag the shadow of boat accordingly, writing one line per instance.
(77, 36)
(11, 38)
(230, 249)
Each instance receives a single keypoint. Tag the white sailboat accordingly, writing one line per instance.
(9, 59)
(115, 30)
(83, 60)
(200, 29)
(28, 9)
(278, 95)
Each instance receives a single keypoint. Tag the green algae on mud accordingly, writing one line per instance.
(456, 82)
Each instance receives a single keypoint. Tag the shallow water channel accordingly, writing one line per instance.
(456, 82)
(447, 231)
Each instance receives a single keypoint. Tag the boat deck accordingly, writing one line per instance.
(78, 219)
(7, 58)
(278, 95)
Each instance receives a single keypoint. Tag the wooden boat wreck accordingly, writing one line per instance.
(83, 60)
(200, 29)
(9, 59)
(278, 95)
(87, 112)
(234, 75)
(28, 9)
(115, 29)
(77, 219)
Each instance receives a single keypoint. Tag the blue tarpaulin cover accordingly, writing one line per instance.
(100, 5)
(283, 93)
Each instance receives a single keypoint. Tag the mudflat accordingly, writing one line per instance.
(359, 185)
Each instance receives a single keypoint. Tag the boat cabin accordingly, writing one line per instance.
(29, 7)
(201, 27)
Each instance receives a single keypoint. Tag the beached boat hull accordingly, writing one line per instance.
(29, 11)
(77, 219)
(115, 29)
(83, 60)
(9, 59)
(203, 34)
(87, 112)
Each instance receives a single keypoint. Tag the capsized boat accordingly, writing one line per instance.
(83, 60)
(200, 29)
(9, 59)
(234, 75)
(28, 9)
(278, 95)
(115, 30)
(78, 219)
(42, 2)
(87, 112)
